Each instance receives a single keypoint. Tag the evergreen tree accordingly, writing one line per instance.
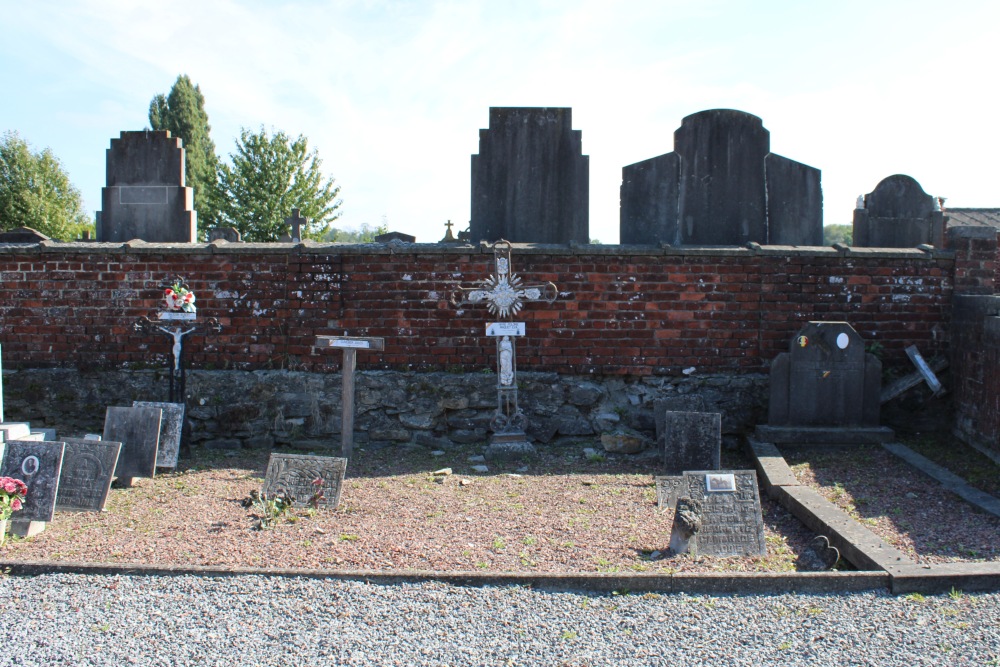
(183, 113)
(269, 176)
(36, 192)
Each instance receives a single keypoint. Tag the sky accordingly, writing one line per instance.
(392, 94)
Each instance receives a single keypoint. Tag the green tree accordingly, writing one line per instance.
(36, 192)
(838, 234)
(182, 112)
(366, 234)
(269, 176)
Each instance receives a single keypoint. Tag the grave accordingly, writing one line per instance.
(38, 465)
(87, 469)
(718, 514)
(22, 235)
(138, 429)
(667, 487)
(825, 390)
(228, 234)
(898, 214)
(399, 237)
(691, 441)
(504, 296)
(530, 180)
(295, 224)
(295, 474)
(350, 345)
(171, 428)
(145, 197)
(722, 185)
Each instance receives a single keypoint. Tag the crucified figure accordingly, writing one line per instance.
(178, 337)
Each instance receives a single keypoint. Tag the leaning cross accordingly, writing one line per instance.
(504, 296)
(296, 222)
(350, 345)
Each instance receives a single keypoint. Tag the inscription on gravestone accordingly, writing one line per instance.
(85, 481)
(138, 429)
(38, 465)
(171, 426)
(718, 514)
(294, 474)
(667, 487)
(691, 441)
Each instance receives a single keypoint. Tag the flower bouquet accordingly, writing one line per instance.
(12, 493)
(179, 298)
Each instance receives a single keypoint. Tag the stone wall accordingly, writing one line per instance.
(255, 409)
(976, 371)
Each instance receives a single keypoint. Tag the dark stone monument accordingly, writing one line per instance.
(395, 236)
(718, 514)
(171, 427)
(85, 481)
(145, 197)
(138, 429)
(898, 214)
(38, 465)
(691, 441)
(721, 186)
(530, 180)
(230, 234)
(295, 224)
(295, 474)
(22, 235)
(825, 390)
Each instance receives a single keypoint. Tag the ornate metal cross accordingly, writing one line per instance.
(504, 296)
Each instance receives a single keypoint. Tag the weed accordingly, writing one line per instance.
(482, 566)
(914, 597)
(348, 537)
(269, 510)
(499, 544)
(529, 540)
(955, 595)
(595, 457)
(568, 635)
(784, 646)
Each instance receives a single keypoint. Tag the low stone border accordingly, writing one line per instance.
(948, 479)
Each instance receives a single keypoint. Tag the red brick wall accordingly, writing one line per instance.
(620, 311)
(975, 369)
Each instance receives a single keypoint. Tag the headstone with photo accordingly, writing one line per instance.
(87, 469)
(138, 429)
(38, 465)
(171, 427)
(296, 475)
(691, 441)
(718, 514)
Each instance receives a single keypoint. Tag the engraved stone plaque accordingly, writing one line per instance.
(85, 481)
(171, 426)
(294, 474)
(666, 490)
(722, 516)
(138, 429)
(37, 464)
(691, 441)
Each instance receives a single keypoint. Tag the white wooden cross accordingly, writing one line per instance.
(504, 296)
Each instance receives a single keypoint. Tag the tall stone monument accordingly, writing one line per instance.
(145, 197)
(898, 214)
(530, 180)
(722, 185)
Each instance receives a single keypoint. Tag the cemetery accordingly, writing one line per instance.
(719, 393)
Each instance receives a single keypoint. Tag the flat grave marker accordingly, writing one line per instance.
(718, 514)
(38, 464)
(138, 429)
(87, 469)
(171, 427)
(294, 474)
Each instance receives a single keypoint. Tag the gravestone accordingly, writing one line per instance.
(898, 214)
(22, 235)
(230, 234)
(138, 429)
(825, 390)
(395, 236)
(171, 427)
(295, 223)
(87, 470)
(718, 514)
(145, 197)
(38, 465)
(530, 180)
(691, 441)
(667, 487)
(721, 186)
(294, 474)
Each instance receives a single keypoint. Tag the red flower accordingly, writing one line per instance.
(15, 504)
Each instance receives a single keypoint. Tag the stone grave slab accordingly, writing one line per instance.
(667, 487)
(138, 429)
(718, 514)
(87, 469)
(294, 474)
(38, 464)
(14, 430)
(171, 426)
(691, 441)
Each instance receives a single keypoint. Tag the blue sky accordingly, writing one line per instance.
(393, 94)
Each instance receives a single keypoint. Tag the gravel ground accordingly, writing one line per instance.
(255, 620)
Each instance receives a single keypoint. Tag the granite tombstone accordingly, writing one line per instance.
(138, 429)
(171, 427)
(718, 514)
(38, 465)
(87, 469)
(296, 475)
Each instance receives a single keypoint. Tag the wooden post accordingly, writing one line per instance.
(350, 345)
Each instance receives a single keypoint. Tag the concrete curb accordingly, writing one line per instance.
(722, 583)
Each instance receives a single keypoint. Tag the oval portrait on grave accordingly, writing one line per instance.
(30, 465)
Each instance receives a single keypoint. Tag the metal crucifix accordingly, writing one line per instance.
(504, 296)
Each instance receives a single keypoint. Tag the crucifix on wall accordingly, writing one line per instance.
(504, 296)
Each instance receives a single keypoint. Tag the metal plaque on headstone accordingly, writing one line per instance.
(87, 469)
(138, 429)
(691, 441)
(718, 514)
(38, 465)
(296, 475)
(171, 427)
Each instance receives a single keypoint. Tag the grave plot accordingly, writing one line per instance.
(564, 513)
(904, 507)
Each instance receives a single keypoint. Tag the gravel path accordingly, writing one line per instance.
(252, 620)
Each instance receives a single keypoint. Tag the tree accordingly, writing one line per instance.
(838, 234)
(366, 234)
(183, 113)
(269, 176)
(36, 192)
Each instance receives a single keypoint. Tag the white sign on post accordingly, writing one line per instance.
(496, 329)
